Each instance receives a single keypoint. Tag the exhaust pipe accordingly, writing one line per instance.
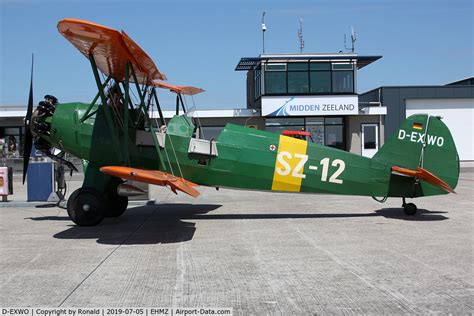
(129, 190)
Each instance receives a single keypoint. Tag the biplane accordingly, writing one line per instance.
(119, 141)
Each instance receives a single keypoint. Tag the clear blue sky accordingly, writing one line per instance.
(200, 42)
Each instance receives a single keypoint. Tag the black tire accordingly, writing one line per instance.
(85, 207)
(115, 205)
(410, 209)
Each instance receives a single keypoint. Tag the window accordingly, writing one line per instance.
(341, 66)
(302, 78)
(342, 78)
(275, 67)
(334, 132)
(327, 131)
(333, 121)
(303, 66)
(278, 125)
(342, 81)
(275, 82)
(370, 140)
(334, 136)
(315, 125)
(258, 83)
(320, 82)
(320, 77)
(298, 80)
(12, 144)
(320, 66)
(275, 79)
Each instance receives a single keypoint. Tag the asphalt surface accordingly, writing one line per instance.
(259, 253)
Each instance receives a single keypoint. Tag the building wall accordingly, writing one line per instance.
(354, 128)
(257, 121)
(394, 98)
(11, 121)
(457, 114)
(250, 90)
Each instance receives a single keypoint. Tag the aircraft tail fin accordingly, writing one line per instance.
(422, 149)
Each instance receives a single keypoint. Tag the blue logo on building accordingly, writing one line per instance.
(282, 110)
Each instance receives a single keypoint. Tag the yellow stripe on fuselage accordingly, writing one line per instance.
(285, 175)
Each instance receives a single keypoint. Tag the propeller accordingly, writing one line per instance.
(28, 142)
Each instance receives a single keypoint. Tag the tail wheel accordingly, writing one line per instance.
(85, 207)
(116, 205)
(410, 208)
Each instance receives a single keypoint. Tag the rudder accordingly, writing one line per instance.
(425, 142)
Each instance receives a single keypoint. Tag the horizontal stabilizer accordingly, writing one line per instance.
(152, 177)
(424, 175)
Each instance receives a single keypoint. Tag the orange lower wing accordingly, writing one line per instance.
(425, 175)
(152, 177)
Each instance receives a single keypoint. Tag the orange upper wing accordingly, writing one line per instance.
(153, 177)
(111, 50)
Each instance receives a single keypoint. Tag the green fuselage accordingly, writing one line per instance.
(247, 158)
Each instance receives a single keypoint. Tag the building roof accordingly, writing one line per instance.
(419, 92)
(248, 63)
(469, 81)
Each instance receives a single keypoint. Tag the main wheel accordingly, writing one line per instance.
(85, 207)
(410, 208)
(116, 205)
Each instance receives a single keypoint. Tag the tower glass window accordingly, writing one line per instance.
(342, 81)
(298, 80)
(342, 78)
(275, 79)
(258, 82)
(306, 78)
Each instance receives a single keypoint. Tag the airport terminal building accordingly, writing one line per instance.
(318, 93)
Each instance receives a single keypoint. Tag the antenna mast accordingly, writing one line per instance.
(264, 28)
(300, 35)
(353, 40)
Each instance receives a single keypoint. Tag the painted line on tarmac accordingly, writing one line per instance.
(105, 259)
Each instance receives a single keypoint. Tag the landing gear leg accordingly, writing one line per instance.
(409, 208)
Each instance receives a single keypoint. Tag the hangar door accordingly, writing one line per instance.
(457, 114)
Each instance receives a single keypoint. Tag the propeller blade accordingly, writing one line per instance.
(28, 142)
